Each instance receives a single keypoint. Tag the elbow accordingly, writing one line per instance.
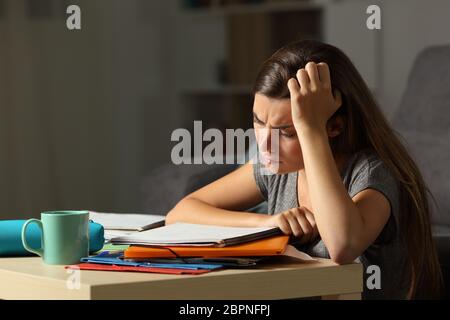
(176, 214)
(170, 217)
(341, 258)
(342, 253)
(173, 216)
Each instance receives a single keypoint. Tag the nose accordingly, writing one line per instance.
(265, 141)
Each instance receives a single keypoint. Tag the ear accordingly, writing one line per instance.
(335, 126)
(337, 98)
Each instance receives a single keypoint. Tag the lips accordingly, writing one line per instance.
(268, 160)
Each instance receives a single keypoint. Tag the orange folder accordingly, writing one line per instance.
(265, 247)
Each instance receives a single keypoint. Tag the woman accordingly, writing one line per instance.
(343, 187)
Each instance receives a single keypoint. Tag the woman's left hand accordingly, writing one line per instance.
(312, 100)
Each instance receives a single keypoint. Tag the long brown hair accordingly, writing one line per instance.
(366, 127)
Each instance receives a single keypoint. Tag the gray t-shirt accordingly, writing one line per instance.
(363, 170)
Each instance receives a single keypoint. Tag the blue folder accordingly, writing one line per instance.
(116, 258)
(11, 237)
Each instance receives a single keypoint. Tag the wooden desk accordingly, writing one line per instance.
(29, 278)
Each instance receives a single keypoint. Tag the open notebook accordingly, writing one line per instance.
(188, 234)
(127, 221)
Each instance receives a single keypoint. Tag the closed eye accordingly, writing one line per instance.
(287, 134)
(256, 120)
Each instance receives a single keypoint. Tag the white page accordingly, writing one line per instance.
(185, 233)
(109, 234)
(295, 253)
(124, 221)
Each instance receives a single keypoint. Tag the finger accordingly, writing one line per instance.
(315, 234)
(293, 86)
(303, 80)
(295, 226)
(283, 224)
(313, 74)
(324, 74)
(294, 89)
(310, 217)
(306, 227)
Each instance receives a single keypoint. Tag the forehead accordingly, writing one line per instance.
(272, 111)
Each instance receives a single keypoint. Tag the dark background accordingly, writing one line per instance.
(86, 115)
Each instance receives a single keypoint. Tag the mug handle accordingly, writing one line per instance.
(40, 251)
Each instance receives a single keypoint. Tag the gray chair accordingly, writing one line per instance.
(163, 187)
(167, 184)
(423, 120)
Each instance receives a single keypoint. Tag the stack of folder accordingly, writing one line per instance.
(191, 249)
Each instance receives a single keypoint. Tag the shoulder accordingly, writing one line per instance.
(366, 169)
(366, 161)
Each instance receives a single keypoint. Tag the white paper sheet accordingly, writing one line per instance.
(186, 233)
(110, 234)
(126, 221)
(294, 253)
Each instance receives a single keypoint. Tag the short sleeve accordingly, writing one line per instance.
(371, 173)
(261, 179)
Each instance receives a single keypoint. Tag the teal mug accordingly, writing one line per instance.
(65, 236)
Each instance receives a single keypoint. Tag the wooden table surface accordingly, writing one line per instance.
(30, 278)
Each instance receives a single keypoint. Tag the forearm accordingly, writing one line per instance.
(192, 210)
(336, 215)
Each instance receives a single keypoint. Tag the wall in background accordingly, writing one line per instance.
(85, 116)
(385, 57)
(57, 123)
(142, 78)
(409, 27)
(345, 28)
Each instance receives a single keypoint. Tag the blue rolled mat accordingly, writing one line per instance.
(11, 237)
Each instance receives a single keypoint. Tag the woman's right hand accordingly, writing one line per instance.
(298, 222)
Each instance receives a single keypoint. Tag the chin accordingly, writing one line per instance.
(276, 169)
(282, 168)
